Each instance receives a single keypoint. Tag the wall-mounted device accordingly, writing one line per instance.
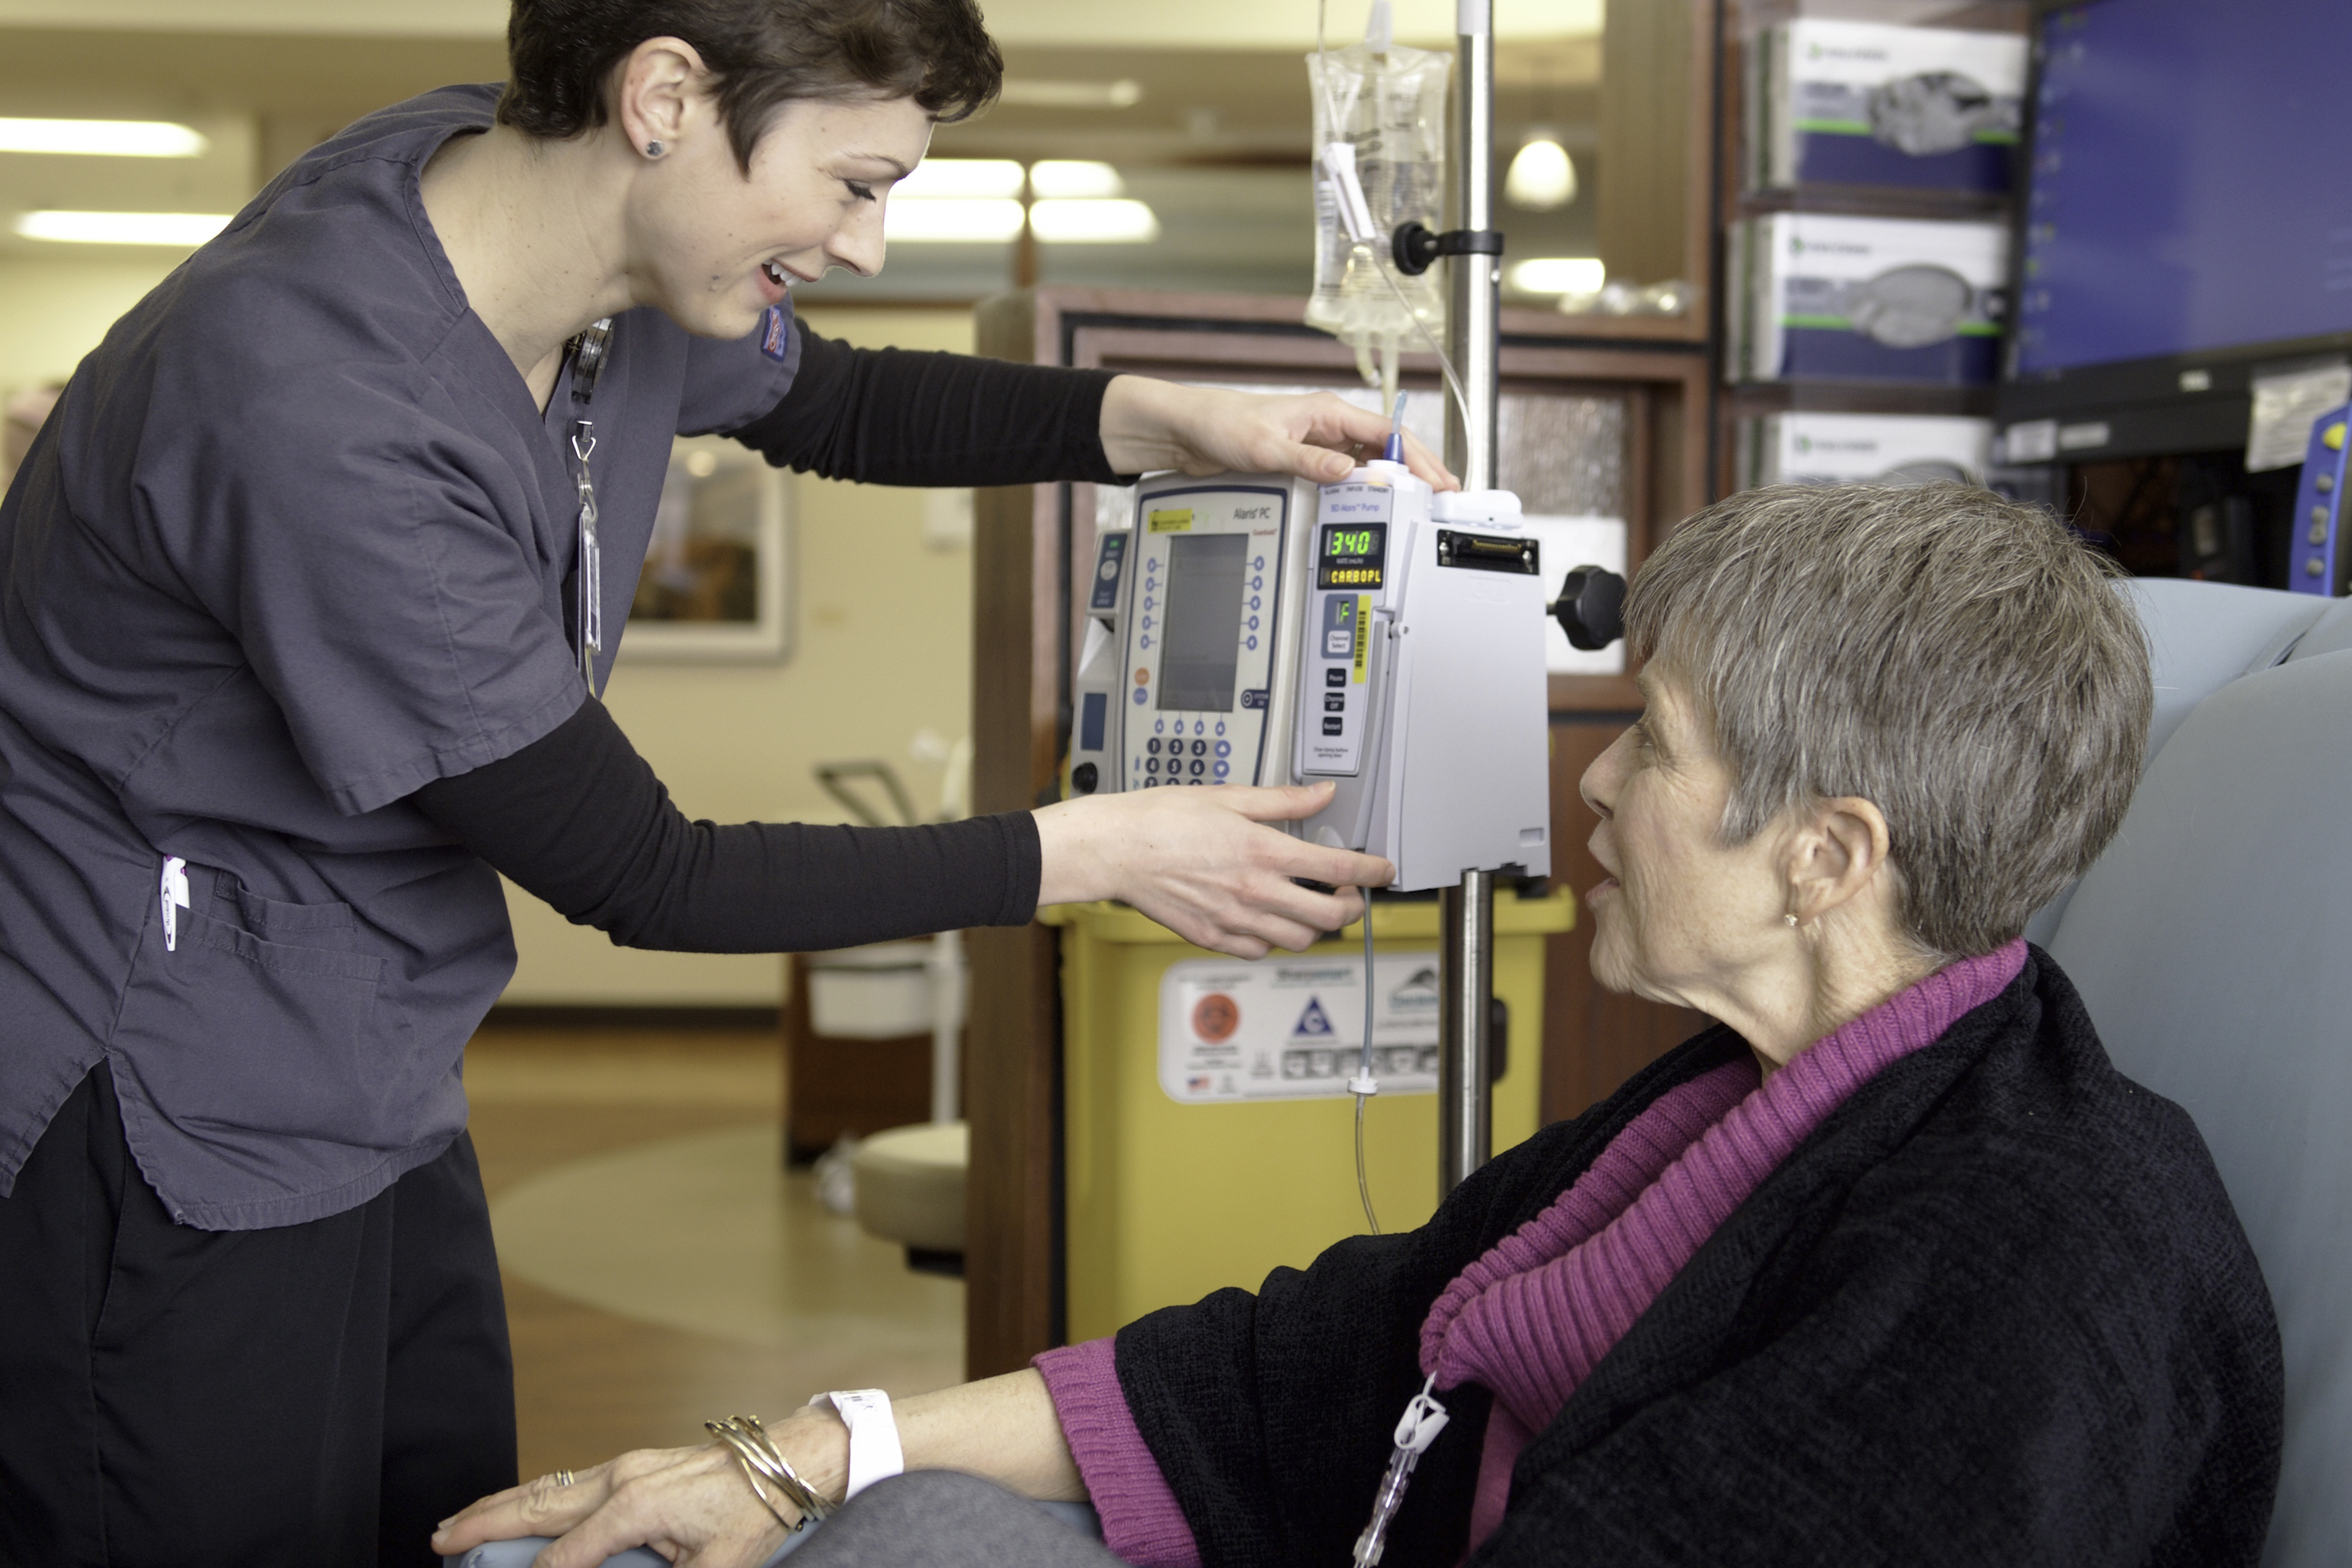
(2320, 563)
(1256, 629)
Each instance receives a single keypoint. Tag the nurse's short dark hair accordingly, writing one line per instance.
(762, 54)
(1966, 663)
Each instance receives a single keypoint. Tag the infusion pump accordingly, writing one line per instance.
(1265, 629)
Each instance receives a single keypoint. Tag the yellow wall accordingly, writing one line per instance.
(881, 650)
(881, 647)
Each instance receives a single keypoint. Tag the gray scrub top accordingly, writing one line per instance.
(296, 541)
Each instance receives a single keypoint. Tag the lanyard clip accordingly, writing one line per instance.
(1422, 1420)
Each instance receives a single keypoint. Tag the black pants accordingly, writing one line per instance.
(316, 1394)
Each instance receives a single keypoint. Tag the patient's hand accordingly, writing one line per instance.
(691, 1505)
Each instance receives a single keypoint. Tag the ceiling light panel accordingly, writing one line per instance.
(951, 220)
(1023, 93)
(1094, 223)
(1074, 177)
(1559, 275)
(102, 138)
(180, 230)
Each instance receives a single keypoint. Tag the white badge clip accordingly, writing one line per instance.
(174, 896)
(1422, 1420)
(874, 1453)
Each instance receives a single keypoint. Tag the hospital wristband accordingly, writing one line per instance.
(874, 1453)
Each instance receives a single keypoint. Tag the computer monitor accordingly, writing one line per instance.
(2185, 223)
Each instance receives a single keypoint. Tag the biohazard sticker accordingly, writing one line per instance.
(1292, 1028)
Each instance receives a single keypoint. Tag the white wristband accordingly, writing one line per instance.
(873, 1451)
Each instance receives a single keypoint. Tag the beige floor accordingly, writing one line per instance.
(661, 1267)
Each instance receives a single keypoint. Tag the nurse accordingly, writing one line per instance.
(312, 581)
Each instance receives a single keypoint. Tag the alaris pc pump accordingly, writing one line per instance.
(1268, 630)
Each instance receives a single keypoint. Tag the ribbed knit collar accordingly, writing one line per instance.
(1534, 1315)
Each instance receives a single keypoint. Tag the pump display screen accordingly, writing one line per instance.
(1202, 632)
(1353, 555)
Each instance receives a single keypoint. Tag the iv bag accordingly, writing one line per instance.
(1379, 127)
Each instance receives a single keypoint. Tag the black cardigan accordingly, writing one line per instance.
(1996, 1310)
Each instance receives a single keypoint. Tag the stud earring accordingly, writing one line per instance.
(653, 149)
(1789, 920)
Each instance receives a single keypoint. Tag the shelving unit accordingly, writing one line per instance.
(1744, 24)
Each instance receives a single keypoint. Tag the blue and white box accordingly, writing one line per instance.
(1805, 448)
(1868, 103)
(1907, 301)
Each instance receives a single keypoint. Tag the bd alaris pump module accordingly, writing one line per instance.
(1264, 629)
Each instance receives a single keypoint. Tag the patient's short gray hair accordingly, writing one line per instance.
(1966, 663)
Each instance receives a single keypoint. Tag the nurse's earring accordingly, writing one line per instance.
(1790, 920)
(653, 149)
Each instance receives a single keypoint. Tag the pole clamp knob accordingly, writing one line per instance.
(1415, 246)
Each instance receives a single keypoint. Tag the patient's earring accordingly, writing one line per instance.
(653, 149)
(1789, 920)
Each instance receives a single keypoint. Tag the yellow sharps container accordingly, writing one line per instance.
(1209, 1135)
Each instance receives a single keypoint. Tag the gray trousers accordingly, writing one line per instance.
(939, 1518)
(928, 1519)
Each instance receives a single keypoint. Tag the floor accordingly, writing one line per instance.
(661, 1267)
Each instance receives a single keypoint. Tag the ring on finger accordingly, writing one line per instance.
(563, 1478)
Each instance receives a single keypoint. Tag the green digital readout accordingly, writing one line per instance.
(1353, 555)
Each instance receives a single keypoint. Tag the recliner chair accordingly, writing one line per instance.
(2210, 943)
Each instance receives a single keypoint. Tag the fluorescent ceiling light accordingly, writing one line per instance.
(951, 220)
(1542, 176)
(1076, 178)
(104, 138)
(1124, 93)
(183, 230)
(1094, 222)
(953, 178)
(1559, 275)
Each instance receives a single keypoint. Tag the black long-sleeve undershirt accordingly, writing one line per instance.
(578, 819)
(895, 416)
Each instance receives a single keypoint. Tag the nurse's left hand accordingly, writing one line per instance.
(1149, 424)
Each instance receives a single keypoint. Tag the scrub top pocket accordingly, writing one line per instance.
(236, 1032)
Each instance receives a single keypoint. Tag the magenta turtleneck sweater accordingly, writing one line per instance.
(1536, 1312)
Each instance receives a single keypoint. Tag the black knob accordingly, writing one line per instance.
(1083, 778)
(1592, 608)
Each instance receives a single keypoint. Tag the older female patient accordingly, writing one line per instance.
(1889, 1264)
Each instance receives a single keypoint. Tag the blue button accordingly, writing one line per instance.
(1224, 748)
(1141, 696)
(1149, 603)
(1224, 768)
(1144, 641)
(1160, 726)
(1221, 729)
(1253, 601)
(1250, 643)
(1199, 728)
(1146, 621)
(1258, 564)
(1257, 582)
(1252, 622)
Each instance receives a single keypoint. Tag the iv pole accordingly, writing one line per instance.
(1465, 967)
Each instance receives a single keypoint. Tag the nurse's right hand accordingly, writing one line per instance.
(1202, 863)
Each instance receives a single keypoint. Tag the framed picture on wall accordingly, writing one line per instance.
(717, 583)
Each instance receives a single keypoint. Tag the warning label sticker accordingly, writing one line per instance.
(1292, 1028)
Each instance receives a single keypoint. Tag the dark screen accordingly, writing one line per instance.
(1353, 555)
(2186, 187)
(1200, 635)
